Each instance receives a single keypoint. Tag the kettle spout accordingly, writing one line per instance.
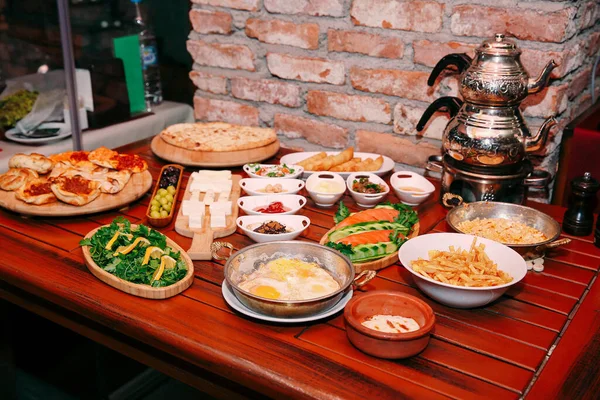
(539, 140)
(535, 85)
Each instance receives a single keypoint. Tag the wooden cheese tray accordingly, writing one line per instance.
(216, 159)
(202, 238)
(137, 186)
(381, 263)
(137, 289)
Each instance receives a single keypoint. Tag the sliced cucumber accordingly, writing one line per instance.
(388, 206)
(370, 252)
(366, 227)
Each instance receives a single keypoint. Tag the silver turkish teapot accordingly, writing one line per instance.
(488, 127)
(495, 77)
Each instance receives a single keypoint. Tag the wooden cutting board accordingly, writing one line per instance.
(137, 186)
(381, 263)
(137, 289)
(203, 238)
(192, 158)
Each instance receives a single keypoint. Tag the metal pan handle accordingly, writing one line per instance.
(552, 245)
(366, 276)
(434, 164)
(215, 247)
(451, 200)
(538, 179)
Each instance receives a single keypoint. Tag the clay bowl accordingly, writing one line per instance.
(388, 345)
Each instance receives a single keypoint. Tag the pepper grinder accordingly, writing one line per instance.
(579, 217)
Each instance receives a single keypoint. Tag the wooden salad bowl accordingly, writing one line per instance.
(380, 263)
(138, 289)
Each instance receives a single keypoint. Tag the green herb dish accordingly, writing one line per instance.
(137, 260)
(16, 106)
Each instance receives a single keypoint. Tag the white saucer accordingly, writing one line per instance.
(234, 303)
(64, 132)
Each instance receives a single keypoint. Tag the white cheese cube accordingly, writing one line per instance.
(222, 186)
(192, 207)
(209, 197)
(201, 186)
(213, 175)
(223, 196)
(221, 208)
(195, 221)
(218, 221)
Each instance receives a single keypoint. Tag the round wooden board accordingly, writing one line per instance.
(137, 289)
(192, 158)
(137, 186)
(381, 263)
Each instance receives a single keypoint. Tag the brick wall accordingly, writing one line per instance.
(334, 73)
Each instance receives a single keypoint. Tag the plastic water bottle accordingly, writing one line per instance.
(149, 56)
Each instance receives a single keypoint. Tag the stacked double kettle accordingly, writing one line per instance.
(485, 144)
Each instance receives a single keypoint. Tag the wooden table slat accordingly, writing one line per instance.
(450, 382)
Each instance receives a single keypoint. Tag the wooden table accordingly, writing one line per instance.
(541, 340)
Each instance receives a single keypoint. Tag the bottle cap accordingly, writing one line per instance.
(585, 183)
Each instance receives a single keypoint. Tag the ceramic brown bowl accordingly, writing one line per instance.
(388, 345)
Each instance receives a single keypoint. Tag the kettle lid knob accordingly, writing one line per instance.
(499, 37)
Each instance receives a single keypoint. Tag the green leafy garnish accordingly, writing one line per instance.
(397, 237)
(290, 169)
(129, 266)
(345, 249)
(342, 213)
(406, 215)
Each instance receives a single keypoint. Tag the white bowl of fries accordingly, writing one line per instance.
(474, 275)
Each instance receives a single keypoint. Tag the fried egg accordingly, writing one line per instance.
(289, 279)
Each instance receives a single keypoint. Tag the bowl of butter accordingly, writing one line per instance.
(325, 188)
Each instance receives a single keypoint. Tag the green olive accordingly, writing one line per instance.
(155, 214)
(161, 192)
(169, 197)
(163, 214)
(163, 201)
(171, 189)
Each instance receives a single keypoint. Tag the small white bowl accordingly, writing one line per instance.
(324, 199)
(365, 199)
(506, 258)
(293, 202)
(406, 179)
(253, 186)
(252, 169)
(297, 224)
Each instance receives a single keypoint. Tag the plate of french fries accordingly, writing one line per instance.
(461, 271)
(343, 162)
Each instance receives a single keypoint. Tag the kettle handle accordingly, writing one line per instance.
(461, 60)
(452, 104)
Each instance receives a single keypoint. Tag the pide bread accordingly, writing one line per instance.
(36, 191)
(217, 136)
(75, 190)
(16, 177)
(73, 177)
(36, 162)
